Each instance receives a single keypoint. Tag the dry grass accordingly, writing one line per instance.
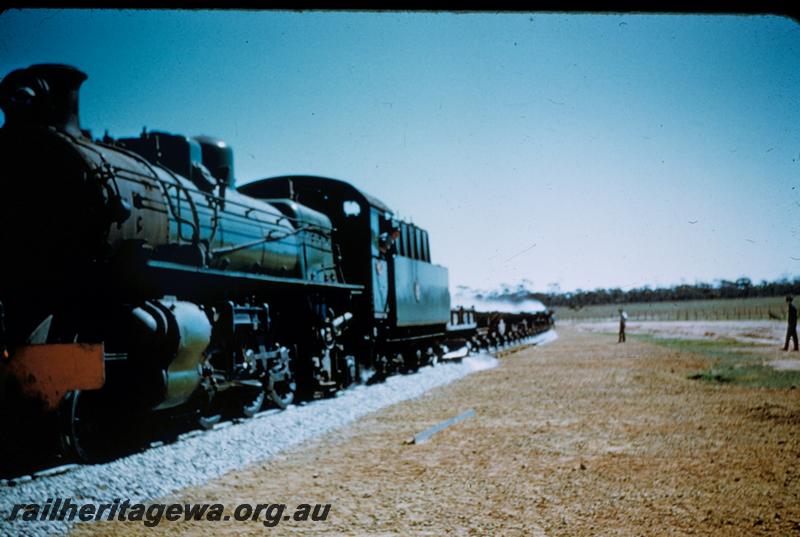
(580, 437)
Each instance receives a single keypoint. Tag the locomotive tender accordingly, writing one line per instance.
(138, 281)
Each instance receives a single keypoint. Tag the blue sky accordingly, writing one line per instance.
(583, 150)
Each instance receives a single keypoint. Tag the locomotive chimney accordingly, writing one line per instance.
(43, 95)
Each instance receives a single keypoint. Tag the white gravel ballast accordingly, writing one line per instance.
(191, 461)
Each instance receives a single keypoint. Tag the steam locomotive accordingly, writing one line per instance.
(138, 281)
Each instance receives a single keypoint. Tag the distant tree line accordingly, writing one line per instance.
(741, 288)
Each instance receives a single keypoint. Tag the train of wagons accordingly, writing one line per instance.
(139, 282)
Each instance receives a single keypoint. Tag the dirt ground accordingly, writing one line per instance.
(579, 437)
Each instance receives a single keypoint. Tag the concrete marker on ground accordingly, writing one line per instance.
(419, 438)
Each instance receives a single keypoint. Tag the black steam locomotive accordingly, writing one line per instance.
(138, 281)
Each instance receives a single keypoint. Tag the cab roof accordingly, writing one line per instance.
(267, 187)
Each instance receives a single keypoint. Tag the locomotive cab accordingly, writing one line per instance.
(406, 297)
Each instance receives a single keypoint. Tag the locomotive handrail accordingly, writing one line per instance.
(206, 271)
(196, 226)
(218, 199)
(325, 232)
(127, 174)
(268, 238)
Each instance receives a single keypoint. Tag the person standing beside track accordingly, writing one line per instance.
(791, 328)
(622, 318)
